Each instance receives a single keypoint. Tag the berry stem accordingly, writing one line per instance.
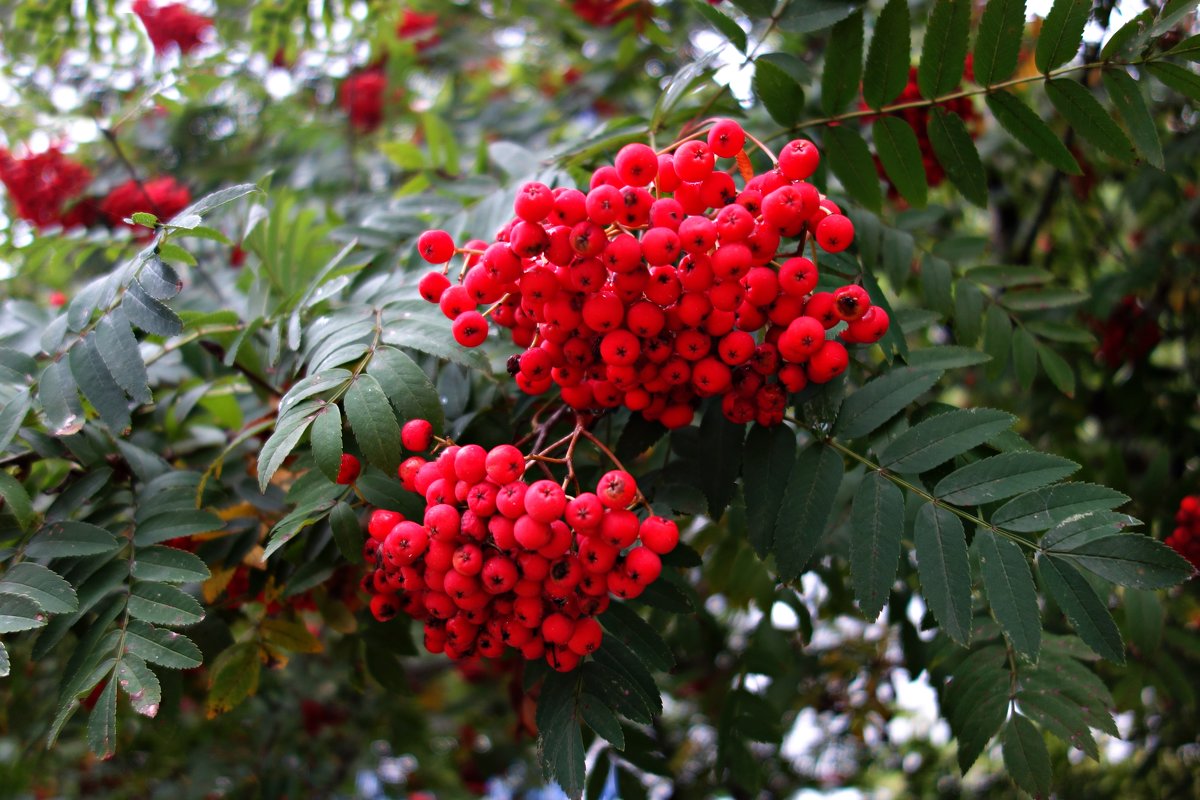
(769, 153)
(495, 305)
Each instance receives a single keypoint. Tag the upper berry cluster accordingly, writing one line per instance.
(1185, 539)
(665, 283)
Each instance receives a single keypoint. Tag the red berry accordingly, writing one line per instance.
(586, 637)
(798, 159)
(385, 607)
(470, 329)
(693, 161)
(828, 362)
(616, 489)
(659, 534)
(417, 434)
(643, 565)
(436, 247)
(382, 522)
(637, 164)
(348, 470)
(557, 629)
(835, 233)
(504, 464)
(432, 286)
(726, 138)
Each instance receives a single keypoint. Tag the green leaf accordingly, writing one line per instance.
(1004, 276)
(149, 314)
(935, 285)
(843, 64)
(944, 53)
(876, 402)
(1144, 618)
(1061, 34)
(141, 684)
(560, 741)
(19, 614)
(163, 604)
(600, 718)
(235, 675)
(1025, 756)
(16, 500)
(374, 423)
(1044, 508)
(164, 648)
(216, 199)
(174, 525)
(997, 340)
(1130, 559)
(118, 349)
(347, 532)
(326, 440)
(968, 312)
(1024, 125)
(1084, 609)
(1189, 48)
(1176, 77)
(1010, 592)
(807, 503)
(5, 662)
(628, 627)
(722, 459)
(1078, 529)
(1084, 113)
(407, 386)
(1043, 299)
(169, 565)
(12, 416)
(778, 91)
(998, 43)
(1024, 355)
(816, 15)
(49, 590)
(944, 569)
(313, 385)
(1126, 96)
(611, 687)
(900, 154)
(159, 280)
(764, 481)
(58, 395)
(877, 520)
(887, 59)
(616, 657)
(102, 723)
(1002, 476)
(850, 159)
(146, 220)
(955, 151)
(948, 356)
(1057, 369)
(939, 439)
(289, 429)
(98, 385)
(726, 26)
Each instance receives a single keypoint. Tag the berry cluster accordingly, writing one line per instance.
(42, 184)
(1128, 334)
(361, 96)
(497, 562)
(607, 12)
(665, 283)
(172, 24)
(420, 29)
(1185, 539)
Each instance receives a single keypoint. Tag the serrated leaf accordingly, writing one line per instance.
(1062, 717)
(326, 440)
(1043, 299)
(560, 741)
(1189, 48)
(312, 385)
(149, 314)
(12, 416)
(1126, 96)
(947, 356)
(1086, 612)
(289, 429)
(997, 340)
(1081, 528)
(1010, 592)
(1089, 119)
(1130, 559)
(726, 26)
(939, 439)
(900, 154)
(5, 662)
(815, 15)
(842, 72)
(19, 614)
(807, 503)
(174, 525)
(1025, 756)
(616, 657)
(98, 384)
(1002, 476)
(968, 313)
(850, 159)
(118, 348)
(877, 523)
(980, 720)
(347, 532)
(407, 387)
(168, 565)
(215, 200)
(16, 500)
(49, 590)
(1024, 125)
(998, 43)
(944, 52)
(102, 723)
(887, 59)
(159, 280)
(944, 569)
(1024, 356)
(935, 285)
(627, 626)
(722, 460)
(764, 481)
(234, 678)
(611, 687)
(1061, 34)
(163, 648)
(1176, 77)
(374, 423)
(163, 604)
(1057, 369)
(1044, 508)
(955, 151)
(779, 92)
(600, 718)
(879, 400)
(141, 684)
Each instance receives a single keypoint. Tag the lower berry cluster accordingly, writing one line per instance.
(1185, 539)
(497, 562)
(665, 283)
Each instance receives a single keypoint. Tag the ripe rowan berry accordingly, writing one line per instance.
(348, 469)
